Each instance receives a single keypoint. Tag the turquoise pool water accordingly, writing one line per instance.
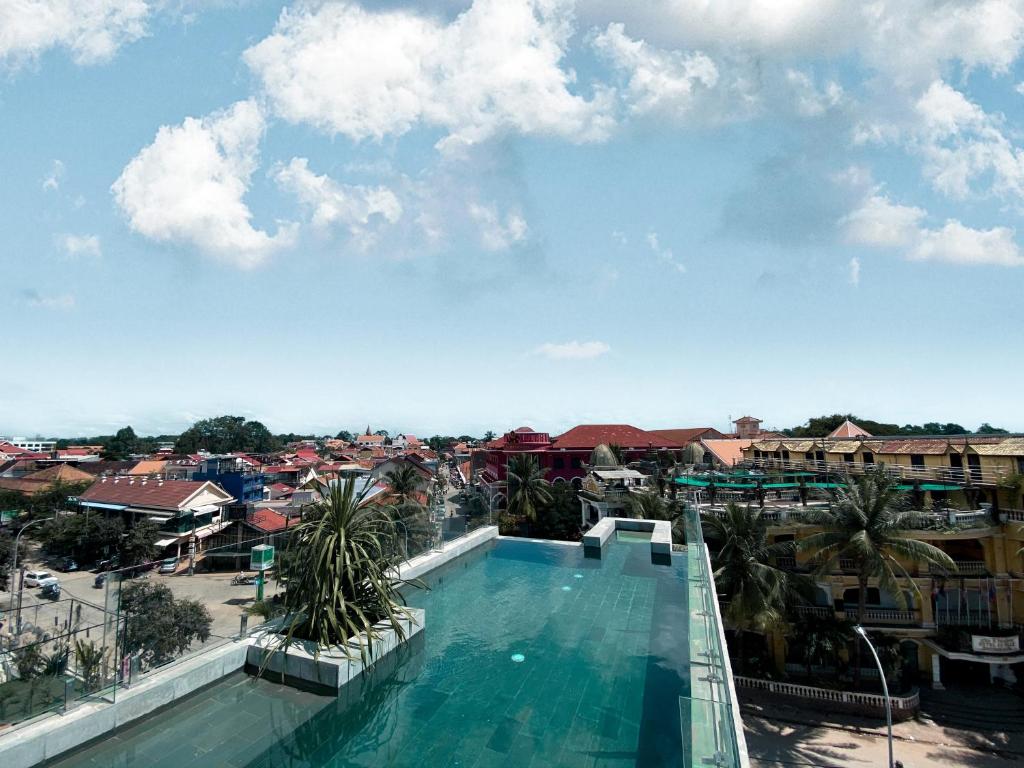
(532, 656)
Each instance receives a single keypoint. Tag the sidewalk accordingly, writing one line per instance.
(786, 735)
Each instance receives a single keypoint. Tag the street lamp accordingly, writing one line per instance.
(885, 687)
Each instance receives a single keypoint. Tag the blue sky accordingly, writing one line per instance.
(455, 216)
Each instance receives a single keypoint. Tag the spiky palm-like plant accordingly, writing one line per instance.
(867, 525)
(89, 659)
(341, 582)
(820, 639)
(528, 491)
(755, 592)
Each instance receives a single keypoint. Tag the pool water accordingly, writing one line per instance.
(532, 655)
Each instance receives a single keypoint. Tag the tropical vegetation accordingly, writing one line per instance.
(159, 626)
(756, 594)
(527, 490)
(341, 584)
(866, 526)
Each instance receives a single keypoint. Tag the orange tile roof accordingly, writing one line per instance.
(589, 436)
(729, 451)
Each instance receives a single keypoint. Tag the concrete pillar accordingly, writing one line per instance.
(927, 606)
(936, 672)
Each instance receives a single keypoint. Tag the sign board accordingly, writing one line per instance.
(982, 644)
(261, 558)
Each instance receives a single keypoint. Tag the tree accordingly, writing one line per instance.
(6, 557)
(341, 583)
(85, 538)
(226, 434)
(123, 444)
(139, 545)
(649, 504)
(866, 525)
(159, 627)
(344, 435)
(755, 592)
(381, 433)
(820, 639)
(528, 491)
(618, 453)
(488, 436)
(54, 499)
(89, 658)
(404, 481)
(559, 519)
(988, 429)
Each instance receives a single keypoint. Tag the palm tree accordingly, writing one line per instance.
(756, 593)
(821, 638)
(649, 504)
(341, 582)
(404, 481)
(528, 491)
(866, 525)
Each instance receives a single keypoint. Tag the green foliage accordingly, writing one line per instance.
(29, 661)
(341, 583)
(618, 453)
(89, 658)
(344, 435)
(755, 593)
(819, 640)
(87, 538)
(528, 491)
(6, 557)
(404, 480)
(55, 499)
(822, 426)
(226, 434)
(158, 626)
(139, 545)
(438, 443)
(651, 505)
(488, 436)
(124, 444)
(560, 518)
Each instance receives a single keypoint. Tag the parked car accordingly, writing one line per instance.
(169, 565)
(50, 588)
(108, 565)
(67, 564)
(34, 578)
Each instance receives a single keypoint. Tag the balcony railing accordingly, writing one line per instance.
(963, 568)
(972, 475)
(884, 616)
(825, 611)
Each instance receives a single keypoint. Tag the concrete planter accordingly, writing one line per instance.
(332, 669)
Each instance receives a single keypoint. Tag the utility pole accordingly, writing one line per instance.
(885, 686)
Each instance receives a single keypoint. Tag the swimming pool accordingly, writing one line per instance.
(532, 655)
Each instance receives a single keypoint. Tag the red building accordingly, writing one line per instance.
(565, 455)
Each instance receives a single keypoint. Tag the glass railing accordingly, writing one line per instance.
(707, 718)
(52, 655)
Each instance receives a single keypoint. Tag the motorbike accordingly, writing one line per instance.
(242, 580)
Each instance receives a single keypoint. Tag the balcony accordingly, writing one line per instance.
(963, 568)
(884, 616)
(959, 476)
(824, 611)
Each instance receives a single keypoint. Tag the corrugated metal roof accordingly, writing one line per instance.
(1011, 446)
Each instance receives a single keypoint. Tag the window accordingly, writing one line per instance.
(819, 456)
(917, 461)
(869, 457)
(576, 463)
(848, 458)
(1020, 465)
(558, 463)
(785, 455)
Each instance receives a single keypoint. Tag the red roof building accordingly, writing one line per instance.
(563, 457)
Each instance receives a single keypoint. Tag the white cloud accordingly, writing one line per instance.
(664, 255)
(963, 145)
(573, 350)
(879, 222)
(909, 40)
(81, 245)
(658, 80)
(498, 233)
(189, 185)
(363, 74)
(62, 302)
(51, 183)
(358, 209)
(620, 237)
(956, 244)
(92, 30)
(854, 268)
(810, 101)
